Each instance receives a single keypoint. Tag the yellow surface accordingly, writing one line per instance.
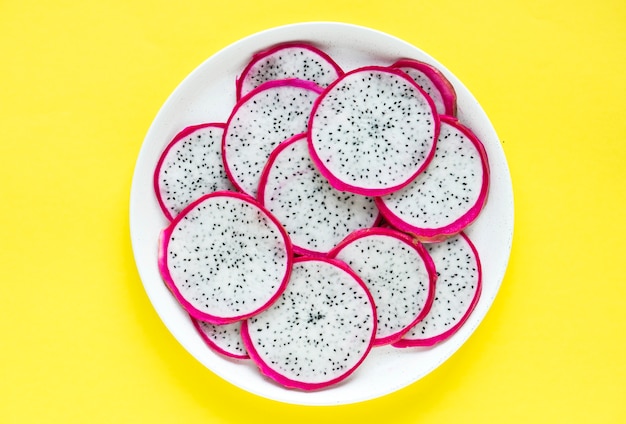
(80, 83)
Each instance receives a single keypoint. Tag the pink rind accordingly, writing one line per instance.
(432, 235)
(214, 345)
(268, 371)
(421, 251)
(290, 82)
(181, 135)
(431, 341)
(298, 250)
(344, 186)
(171, 284)
(446, 89)
(263, 54)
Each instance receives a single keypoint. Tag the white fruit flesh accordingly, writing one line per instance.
(225, 257)
(260, 121)
(456, 292)
(373, 131)
(315, 215)
(189, 167)
(399, 274)
(224, 338)
(292, 60)
(448, 195)
(318, 331)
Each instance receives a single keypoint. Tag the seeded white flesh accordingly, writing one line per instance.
(260, 121)
(226, 257)
(190, 167)
(315, 215)
(318, 331)
(223, 338)
(372, 131)
(288, 61)
(447, 189)
(427, 85)
(398, 275)
(456, 291)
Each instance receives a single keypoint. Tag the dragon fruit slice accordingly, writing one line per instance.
(399, 274)
(318, 332)
(190, 166)
(434, 83)
(288, 60)
(260, 121)
(225, 257)
(457, 291)
(372, 131)
(450, 193)
(224, 339)
(315, 215)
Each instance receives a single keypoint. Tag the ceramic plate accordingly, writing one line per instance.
(208, 95)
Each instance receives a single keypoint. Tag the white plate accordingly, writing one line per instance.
(207, 95)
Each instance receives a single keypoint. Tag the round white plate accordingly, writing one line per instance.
(208, 95)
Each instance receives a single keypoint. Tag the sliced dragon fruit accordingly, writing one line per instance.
(315, 215)
(225, 257)
(190, 166)
(373, 131)
(225, 338)
(434, 83)
(450, 193)
(399, 274)
(318, 332)
(288, 60)
(261, 120)
(457, 291)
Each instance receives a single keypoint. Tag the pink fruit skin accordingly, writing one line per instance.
(445, 335)
(439, 80)
(293, 384)
(181, 135)
(213, 345)
(343, 186)
(260, 55)
(298, 250)
(290, 82)
(171, 285)
(432, 235)
(421, 251)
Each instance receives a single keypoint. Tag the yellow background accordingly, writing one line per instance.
(80, 83)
